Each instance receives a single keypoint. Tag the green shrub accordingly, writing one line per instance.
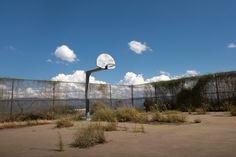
(105, 114)
(96, 106)
(233, 110)
(65, 122)
(125, 114)
(89, 136)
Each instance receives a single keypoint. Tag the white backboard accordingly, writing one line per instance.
(105, 61)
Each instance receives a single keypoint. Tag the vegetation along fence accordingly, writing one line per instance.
(214, 91)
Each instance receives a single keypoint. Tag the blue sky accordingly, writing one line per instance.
(177, 35)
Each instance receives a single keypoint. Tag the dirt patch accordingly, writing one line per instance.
(214, 136)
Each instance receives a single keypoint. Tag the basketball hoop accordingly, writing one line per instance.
(104, 62)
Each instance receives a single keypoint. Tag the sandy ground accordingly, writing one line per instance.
(214, 137)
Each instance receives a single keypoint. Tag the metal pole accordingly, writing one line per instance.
(88, 73)
(132, 95)
(86, 95)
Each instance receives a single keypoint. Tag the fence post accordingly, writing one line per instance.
(217, 90)
(110, 96)
(12, 97)
(156, 94)
(53, 96)
(132, 95)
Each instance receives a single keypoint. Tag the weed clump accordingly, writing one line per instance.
(125, 114)
(64, 123)
(15, 124)
(60, 145)
(200, 111)
(97, 106)
(111, 126)
(139, 129)
(122, 114)
(27, 117)
(89, 136)
(78, 116)
(197, 121)
(105, 114)
(141, 118)
(169, 117)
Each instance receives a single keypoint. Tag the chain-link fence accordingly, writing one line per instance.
(28, 96)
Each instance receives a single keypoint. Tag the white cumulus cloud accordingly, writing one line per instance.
(64, 53)
(190, 73)
(77, 76)
(131, 78)
(161, 77)
(138, 47)
(232, 45)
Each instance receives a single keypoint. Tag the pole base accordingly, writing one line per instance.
(88, 117)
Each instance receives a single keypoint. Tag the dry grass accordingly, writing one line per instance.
(97, 106)
(104, 114)
(126, 114)
(169, 117)
(111, 126)
(5, 125)
(122, 114)
(122, 128)
(89, 136)
(141, 118)
(106, 126)
(78, 116)
(233, 110)
(197, 120)
(65, 122)
(200, 111)
(59, 144)
(139, 129)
